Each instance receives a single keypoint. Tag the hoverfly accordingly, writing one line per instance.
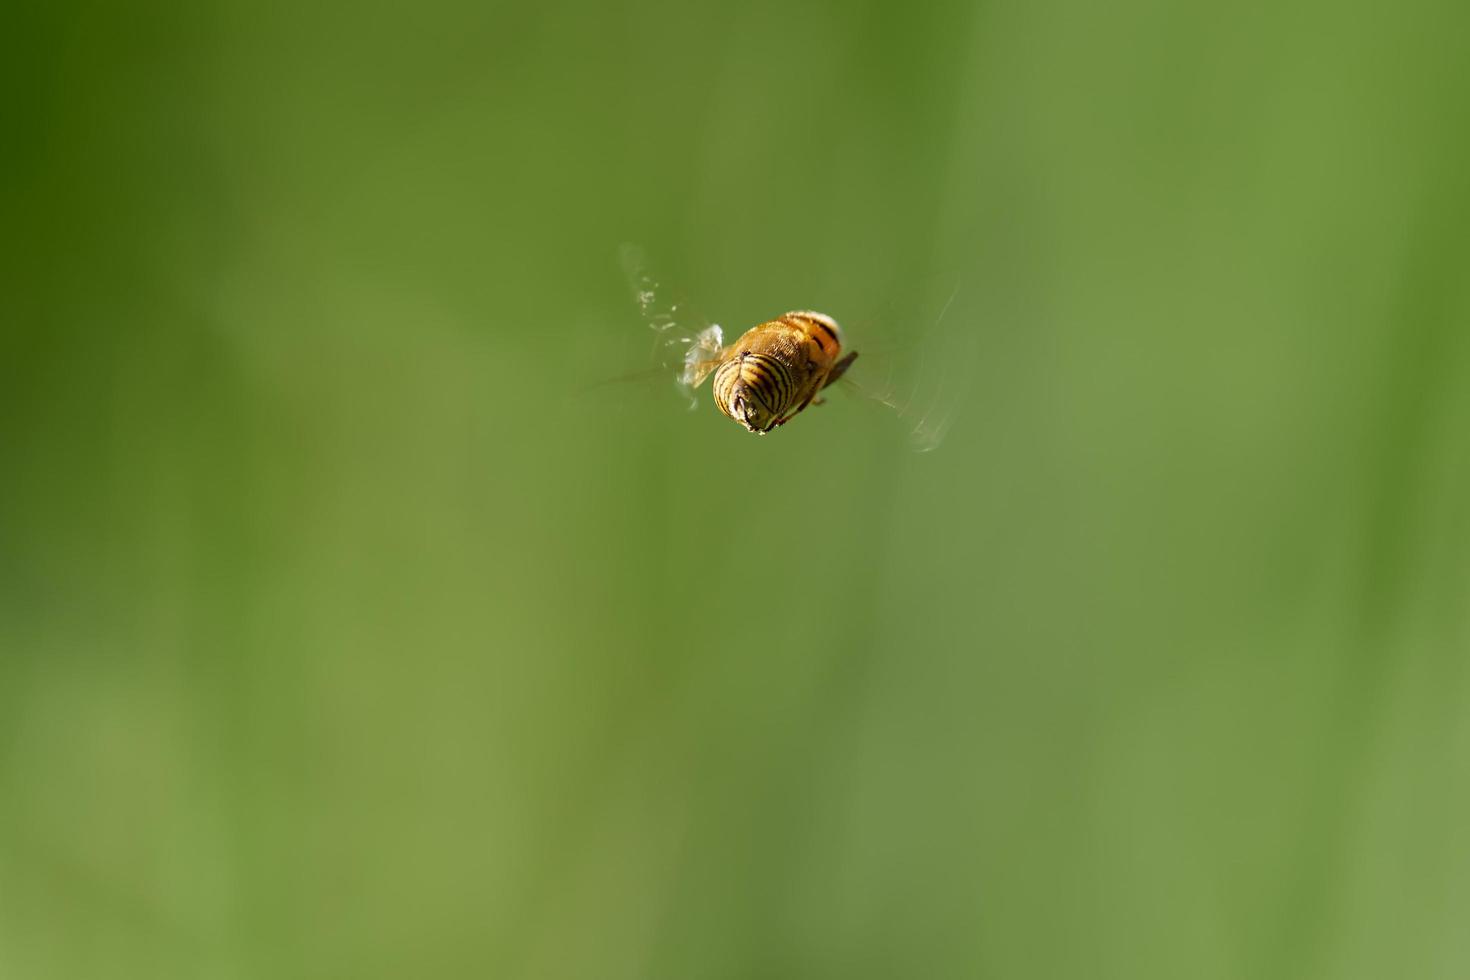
(774, 370)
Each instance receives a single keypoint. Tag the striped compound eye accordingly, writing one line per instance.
(756, 390)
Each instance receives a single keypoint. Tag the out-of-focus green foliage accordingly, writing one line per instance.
(349, 629)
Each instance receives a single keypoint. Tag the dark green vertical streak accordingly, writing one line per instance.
(1425, 359)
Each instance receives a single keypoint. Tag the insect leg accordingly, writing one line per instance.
(840, 368)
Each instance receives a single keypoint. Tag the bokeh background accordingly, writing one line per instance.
(349, 627)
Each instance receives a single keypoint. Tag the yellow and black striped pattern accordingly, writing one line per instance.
(755, 390)
(776, 369)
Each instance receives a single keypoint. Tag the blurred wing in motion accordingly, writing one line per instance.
(919, 374)
(686, 347)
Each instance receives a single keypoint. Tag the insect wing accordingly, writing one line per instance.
(685, 346)
(915, 366)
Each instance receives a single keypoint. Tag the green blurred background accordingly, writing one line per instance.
(347, 630)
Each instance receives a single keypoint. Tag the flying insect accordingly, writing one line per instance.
(774, 370)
